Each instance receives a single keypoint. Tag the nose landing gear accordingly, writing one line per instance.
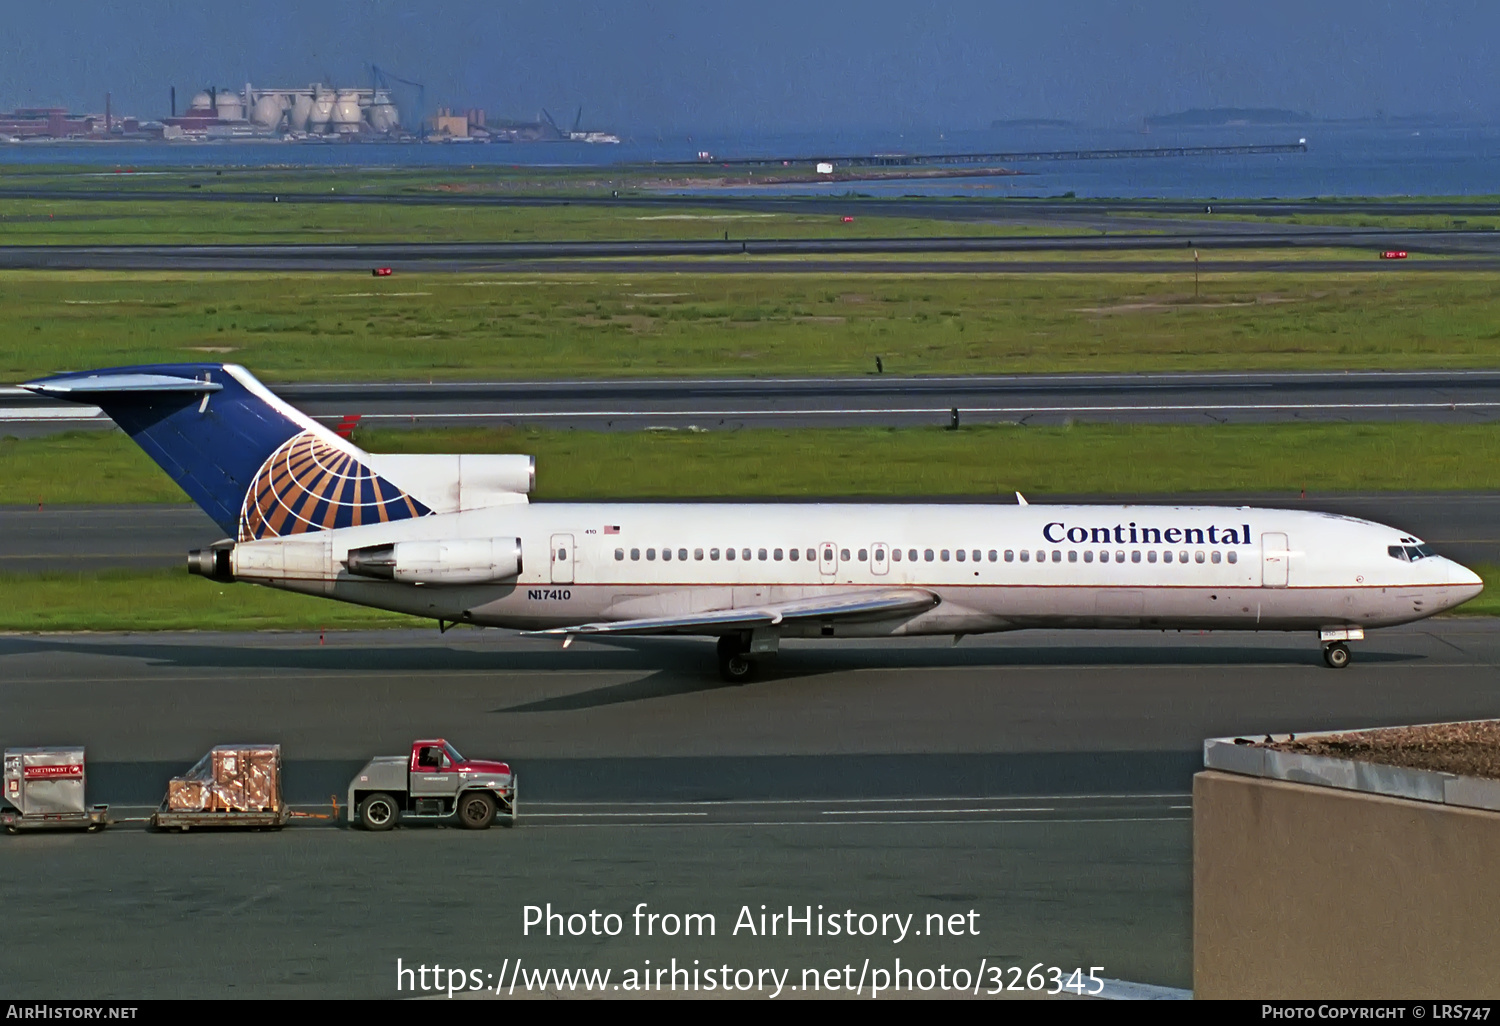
(1336, 655)
(1335, 644)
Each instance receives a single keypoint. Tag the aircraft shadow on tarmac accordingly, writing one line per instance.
(681, 666)
(690, 670)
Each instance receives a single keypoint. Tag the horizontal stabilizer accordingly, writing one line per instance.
(883, 604)
(85, 387)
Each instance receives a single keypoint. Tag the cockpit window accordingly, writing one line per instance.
(1409, 553)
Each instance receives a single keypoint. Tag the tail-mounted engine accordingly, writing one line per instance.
(450, 561)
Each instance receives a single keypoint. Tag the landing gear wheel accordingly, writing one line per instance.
(476, 811)
(1336, 655)
(735, 665)
(378, 812)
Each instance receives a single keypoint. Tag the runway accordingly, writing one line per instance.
(1036, 779)
(758, 256)
(887, 400)
(87, 539)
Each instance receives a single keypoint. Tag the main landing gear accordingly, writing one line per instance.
(735, 664)
(1336, 655)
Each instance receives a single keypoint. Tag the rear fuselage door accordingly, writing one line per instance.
(879, 558)
(828, 558)
(562, 559)
(1275, 561)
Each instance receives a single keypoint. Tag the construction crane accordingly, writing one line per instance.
(382, 79)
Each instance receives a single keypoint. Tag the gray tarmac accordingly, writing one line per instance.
(1469, 251)
(85, 539)
(871, 399)
(1039, 779)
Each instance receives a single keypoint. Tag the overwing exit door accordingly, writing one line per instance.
(562, 559)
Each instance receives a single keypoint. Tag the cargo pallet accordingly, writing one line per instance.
(96, 818)
(268, 819)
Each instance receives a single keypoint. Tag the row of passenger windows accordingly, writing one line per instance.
(745, 554)
(939, 555)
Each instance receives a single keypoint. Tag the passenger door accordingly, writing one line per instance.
(828, 559)
(562, 559)
(1274, 561)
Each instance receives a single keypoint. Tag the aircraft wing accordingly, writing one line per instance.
(864, 605)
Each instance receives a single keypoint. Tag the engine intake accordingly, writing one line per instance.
(447, 561)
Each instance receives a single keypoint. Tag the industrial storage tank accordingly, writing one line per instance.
(348, 116)
(384, 117)
(322, 110)
(230, 106)
(268, 110)
(301, 110)
(201, 102)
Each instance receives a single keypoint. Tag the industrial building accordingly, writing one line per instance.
(300, 112)
(25, 123)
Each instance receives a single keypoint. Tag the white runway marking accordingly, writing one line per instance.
(963, 410)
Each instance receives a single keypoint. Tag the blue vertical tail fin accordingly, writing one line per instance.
(257, 466)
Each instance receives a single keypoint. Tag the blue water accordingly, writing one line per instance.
(1342, 160)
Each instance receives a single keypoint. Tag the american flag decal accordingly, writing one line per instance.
(611, 529)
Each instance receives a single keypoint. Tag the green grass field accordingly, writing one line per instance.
(167, 222)
(165, 600)
(333, 326)
(105, 467)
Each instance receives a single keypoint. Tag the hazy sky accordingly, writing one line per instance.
(663, 65)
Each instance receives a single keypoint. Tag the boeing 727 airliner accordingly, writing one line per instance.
(456, 539)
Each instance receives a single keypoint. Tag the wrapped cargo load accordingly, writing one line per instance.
(230, 778)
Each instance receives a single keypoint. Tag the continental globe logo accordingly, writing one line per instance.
(310, 485)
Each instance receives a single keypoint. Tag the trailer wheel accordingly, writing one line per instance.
(476, 810)
(378, 812)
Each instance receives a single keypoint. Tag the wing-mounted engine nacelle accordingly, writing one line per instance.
(447, 561)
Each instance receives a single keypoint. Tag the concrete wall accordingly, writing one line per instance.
(1314, 892)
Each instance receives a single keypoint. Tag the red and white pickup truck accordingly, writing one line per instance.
(432, 783)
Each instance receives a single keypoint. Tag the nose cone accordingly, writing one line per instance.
(1465, 583)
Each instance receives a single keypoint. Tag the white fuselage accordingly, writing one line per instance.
(993, 567)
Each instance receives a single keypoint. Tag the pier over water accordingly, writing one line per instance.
(921, 159)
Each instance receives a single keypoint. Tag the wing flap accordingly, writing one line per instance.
(864, 605)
